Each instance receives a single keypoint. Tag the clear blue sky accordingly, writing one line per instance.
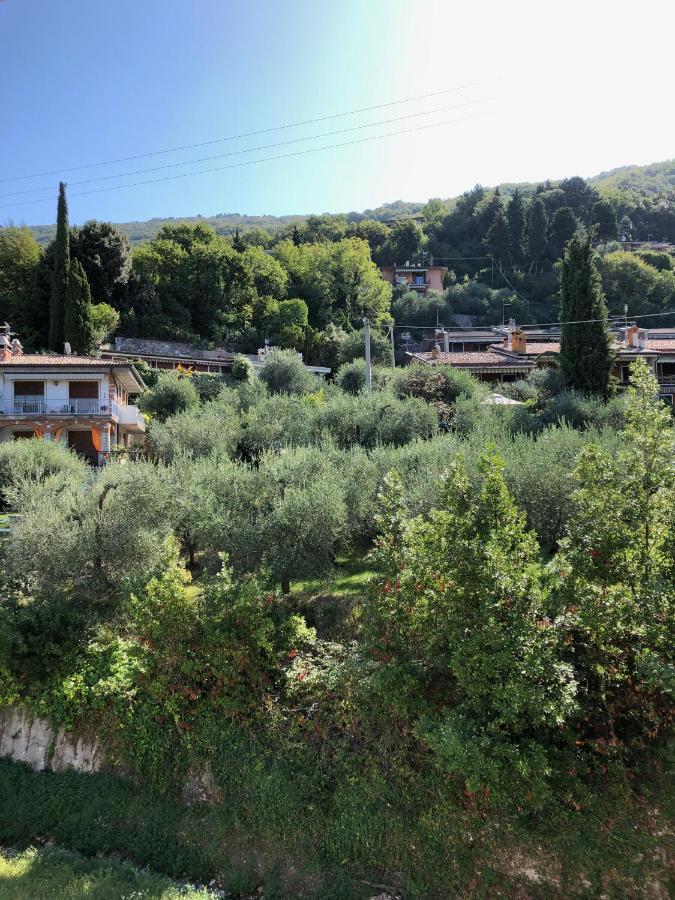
(561, 89)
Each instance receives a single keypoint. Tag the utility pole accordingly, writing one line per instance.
(366, 339)
(393, 348)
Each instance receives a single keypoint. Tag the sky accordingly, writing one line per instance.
(530, 90)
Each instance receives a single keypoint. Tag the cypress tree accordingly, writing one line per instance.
(498, 240)
(585, 355)
(60, 274)
(237, 242)
(537, 229)
(78, 328)
(563, 226)
(515, 213)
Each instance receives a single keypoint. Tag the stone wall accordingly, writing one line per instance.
(30, 740)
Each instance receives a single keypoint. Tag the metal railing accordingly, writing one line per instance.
(29, 406)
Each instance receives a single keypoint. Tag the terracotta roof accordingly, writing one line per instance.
(532, 348)
(474, 358)
(663, 346)
(43, 359)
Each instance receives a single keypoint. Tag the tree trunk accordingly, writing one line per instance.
(285, 584)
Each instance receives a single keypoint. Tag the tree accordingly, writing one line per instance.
(537, 230)
(405, 240)
(19, 259)
(105, 254)
(585, 355)
(563, 226)
(603, 215)
(284, 373)
(498, 240)
(579, 196)
(78, 328)
(456, 626)
(237, 242)
(625, 229)
(104, 321)
(616, 577)
(60, 274)
(515, 212)
(172, 394)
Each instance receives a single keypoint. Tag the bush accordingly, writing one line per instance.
(455, 623)
(242, 369)
(171, 394)
(584, 411)
(34, 461)
(352, 346)
(208, 387)
(351, 377)
(436, 384)
(284, 373)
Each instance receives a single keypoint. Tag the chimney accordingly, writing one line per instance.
(5, 348)
(17, 349)
(518, 341)
(632, 337)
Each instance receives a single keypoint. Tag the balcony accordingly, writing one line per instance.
(31, 407)
(132, 417)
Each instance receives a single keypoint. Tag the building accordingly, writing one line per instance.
(511, 359)
(175, 354)
(416, 277)
(518, 354)
(82, 401)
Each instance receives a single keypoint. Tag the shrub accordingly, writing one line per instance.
(242, 369)
(208, 387)
(458, 623)
(436, 384)
(34, 461)
(583, 411)
(284, 373)
(351, 377)
(172, 394)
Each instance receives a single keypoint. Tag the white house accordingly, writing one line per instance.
(82, 401)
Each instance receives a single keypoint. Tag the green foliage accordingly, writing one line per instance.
(60, 274)
(436, 384)
(78, 328)
(585, 356)
(34, 461)
(105, 255)
(242, 369)
(19, 258)
(104, 321)
(284, 373)
(498, 240)
(172, 393)
(616, 577)
(458, 623)
(563, 225)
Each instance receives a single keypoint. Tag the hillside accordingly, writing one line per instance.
(649, 180)
(652, 179)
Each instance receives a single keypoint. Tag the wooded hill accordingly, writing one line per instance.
(650, 180)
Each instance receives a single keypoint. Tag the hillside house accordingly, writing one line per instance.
(416, 277)
(82, 401)
(174, 354)
(517, 355)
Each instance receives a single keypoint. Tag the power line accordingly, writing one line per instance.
(190, 162)
(234, 137)
(254, 161)
(670, 312)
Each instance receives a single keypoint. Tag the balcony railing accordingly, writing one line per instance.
(28, 406)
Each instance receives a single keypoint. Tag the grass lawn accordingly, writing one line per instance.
(350, 578)
(332, 605)
(48, 873)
